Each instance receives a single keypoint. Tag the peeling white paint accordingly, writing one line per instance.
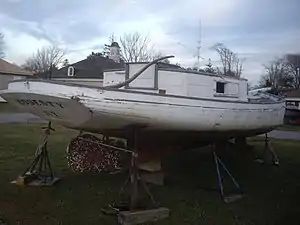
(189, 104)
(117, 109)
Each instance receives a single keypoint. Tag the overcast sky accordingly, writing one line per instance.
(257, 30)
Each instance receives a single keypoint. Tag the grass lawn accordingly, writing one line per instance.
(271, 193)
(289, 127)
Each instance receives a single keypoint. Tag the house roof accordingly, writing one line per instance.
(11, 69)
(92, 67)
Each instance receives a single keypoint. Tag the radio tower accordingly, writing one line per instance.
(199, 47)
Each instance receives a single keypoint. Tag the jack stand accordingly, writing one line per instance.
(134, 180)
(39, 172)
(270, 157)
(134, 212)
(228, 198)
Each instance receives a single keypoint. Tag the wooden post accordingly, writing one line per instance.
(144, 216)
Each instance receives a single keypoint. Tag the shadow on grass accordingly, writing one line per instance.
(271, 193)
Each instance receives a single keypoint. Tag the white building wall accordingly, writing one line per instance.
(181, 83)
(199, 85)
(206, 86)
(174, 83)
(146, 79)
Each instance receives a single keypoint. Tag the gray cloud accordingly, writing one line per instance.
(35, 10)
(256, 29)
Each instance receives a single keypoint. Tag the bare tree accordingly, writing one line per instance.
(106, 47)
(45, 60)
(1, 46)
(232, 64)
(238, 63)
(277, 75)
(65, 63)
(136, 48)
(133, 48)
(209, 67)
(292, 62)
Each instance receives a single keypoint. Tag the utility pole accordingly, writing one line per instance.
(298, 76)
(50, 71)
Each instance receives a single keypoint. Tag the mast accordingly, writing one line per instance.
(199, 47)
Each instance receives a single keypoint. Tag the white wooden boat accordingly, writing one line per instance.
(168, 105)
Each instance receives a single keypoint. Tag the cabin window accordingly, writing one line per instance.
(161, 91)
(70, 71)
(220, 87)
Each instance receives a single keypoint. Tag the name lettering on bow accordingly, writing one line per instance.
(40, 103)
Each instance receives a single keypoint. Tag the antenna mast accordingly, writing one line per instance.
(199, 47)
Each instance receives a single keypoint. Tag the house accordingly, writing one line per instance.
(10, 72)
(292, 93)
(292, 110)
(90, 70)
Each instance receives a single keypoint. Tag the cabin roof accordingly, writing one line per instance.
(202, 73)
(175, 68)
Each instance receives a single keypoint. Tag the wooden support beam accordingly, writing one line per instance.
(143, 216)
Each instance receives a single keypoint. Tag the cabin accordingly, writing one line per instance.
(177, 81)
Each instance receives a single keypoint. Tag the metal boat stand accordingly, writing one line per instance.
(220, 165)
(270, 156)
(39, 172)
(133, 211)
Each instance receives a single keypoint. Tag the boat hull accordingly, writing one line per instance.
(161, 118)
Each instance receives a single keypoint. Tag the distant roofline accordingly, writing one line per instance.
(111, 70)
(74, 64)
(202, 73)
(26, 73)
(13, 69)
(76, 79)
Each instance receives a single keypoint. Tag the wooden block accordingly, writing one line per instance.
(150, 166)
(33, 181)
(19, 181)
(39, 182)
(153, 177)
(24, 180)
(143, 216)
